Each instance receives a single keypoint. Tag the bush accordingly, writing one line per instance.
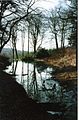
(4, 62)
(42, 53)
(28, 59)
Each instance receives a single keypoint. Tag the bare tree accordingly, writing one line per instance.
(23, 39)
(59, 25)
(36, 31)
(73, 20)
(53, 25)
(64, 25)
(14, 40)
(12, 12)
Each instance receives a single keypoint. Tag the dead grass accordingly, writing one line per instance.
(63, 59)
(66, 76)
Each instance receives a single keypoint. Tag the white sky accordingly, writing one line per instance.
(46, 4)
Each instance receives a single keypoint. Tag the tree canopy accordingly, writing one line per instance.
(61, 21)
(12, 12)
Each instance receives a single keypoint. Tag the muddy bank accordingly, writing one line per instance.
(15, 103)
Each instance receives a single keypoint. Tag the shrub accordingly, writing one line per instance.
(42, 53)
(4, 62)
(28, 59)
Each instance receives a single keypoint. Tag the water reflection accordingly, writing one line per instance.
(40, 85)
(37, 81)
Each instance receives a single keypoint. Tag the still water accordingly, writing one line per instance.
(40, 85)
(37, 81)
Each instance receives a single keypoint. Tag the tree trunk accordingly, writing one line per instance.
(28, 40)
(34, 50)
(56, 41)
(1, 49)
(16, 52)
(62, 35)
(35, 42)
(62, 40)
(13, 52)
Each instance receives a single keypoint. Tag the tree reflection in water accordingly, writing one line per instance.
(13, 67)
(37, 81)
(33, 87)
(39, 84)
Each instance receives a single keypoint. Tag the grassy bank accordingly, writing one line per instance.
(62, 58)
(64, 62)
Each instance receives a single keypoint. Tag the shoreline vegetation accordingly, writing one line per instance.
(63, 61)
(15, 103)
(4, 62)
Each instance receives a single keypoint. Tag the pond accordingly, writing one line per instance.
(40, 85)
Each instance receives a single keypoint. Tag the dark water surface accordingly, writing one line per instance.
(40, 85)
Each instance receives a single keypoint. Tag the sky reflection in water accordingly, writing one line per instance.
(37, 81)
(40, 85)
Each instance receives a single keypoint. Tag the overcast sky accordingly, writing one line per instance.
(46, 4)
